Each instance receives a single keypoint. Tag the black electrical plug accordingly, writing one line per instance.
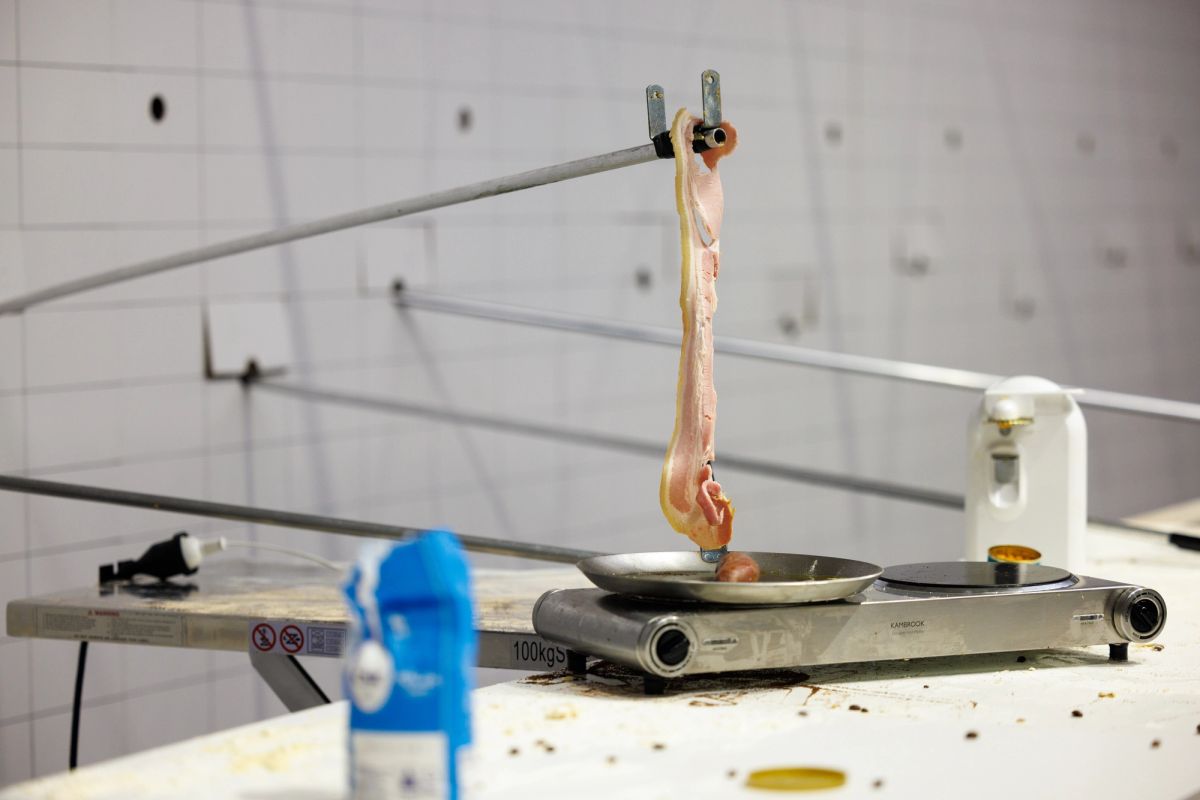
(179, 555)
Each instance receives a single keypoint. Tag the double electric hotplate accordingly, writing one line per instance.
(667, 617)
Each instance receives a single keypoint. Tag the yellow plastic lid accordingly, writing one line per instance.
(1014, 554)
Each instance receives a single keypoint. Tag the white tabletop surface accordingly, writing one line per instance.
(1137, 735)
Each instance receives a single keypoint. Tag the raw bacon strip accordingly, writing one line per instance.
(691, 500)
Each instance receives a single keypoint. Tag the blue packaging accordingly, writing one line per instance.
(409, 667)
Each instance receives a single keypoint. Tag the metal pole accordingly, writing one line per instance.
(285, 519)
(463, 194)
(782, 353)
(895, 491)
(724, 461)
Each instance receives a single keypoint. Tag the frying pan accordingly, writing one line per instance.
(786, 578)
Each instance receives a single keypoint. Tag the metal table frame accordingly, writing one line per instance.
(216, 609)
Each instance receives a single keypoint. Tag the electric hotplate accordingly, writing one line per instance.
(910, 611)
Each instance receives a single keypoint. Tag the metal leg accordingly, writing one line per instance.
(577, 662)
(1118, 652)
(654, 685)
(288, 680)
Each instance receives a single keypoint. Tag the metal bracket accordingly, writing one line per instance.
(656, 116)
(710, 92)
(290, 682)
(706, 136)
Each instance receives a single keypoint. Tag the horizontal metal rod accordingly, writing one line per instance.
(781, 353)
(725, 461)
(285, 519)
(402, 208)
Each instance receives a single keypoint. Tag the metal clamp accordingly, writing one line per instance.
(707, 136)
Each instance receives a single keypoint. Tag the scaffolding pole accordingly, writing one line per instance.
(753, 466)
(353, 219)
(625, 444)
(911, 372)
(284, 519)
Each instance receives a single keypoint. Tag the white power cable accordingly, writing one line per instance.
(277, 548)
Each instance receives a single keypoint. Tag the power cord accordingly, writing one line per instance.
(73, 759)
(182, 554)
(277, 548)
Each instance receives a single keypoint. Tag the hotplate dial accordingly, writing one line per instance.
(1139, 614)
(671, 647)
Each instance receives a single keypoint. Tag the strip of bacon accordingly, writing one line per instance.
(691, 500)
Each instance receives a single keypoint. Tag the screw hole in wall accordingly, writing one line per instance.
(643, 277)
(1114, 256)
(1024, 308)
(158, 108)
(466, 118)
(788, 325)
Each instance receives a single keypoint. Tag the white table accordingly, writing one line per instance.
(1138, 736)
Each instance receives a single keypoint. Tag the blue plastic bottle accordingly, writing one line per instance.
(409, 667)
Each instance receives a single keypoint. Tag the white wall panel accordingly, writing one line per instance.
(63, 31)
(1027, 147)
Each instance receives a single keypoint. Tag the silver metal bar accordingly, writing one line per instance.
(613, 442)
(753, 466)
(782, 353)
(290, 682)
(402, 208)
(726, 461)
(636, 332)
(1141, 405)
(285, 519)
(480, 544)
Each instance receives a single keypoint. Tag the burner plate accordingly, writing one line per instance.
(959, 575)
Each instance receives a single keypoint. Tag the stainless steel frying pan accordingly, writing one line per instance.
(786, 578)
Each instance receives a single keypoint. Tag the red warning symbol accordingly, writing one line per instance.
(292, 638)
(263, 637)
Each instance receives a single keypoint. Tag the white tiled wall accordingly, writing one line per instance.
(1046, 155)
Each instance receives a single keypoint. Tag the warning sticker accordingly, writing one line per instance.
(291, 639)
(326, 641)
(263, 637)
(297, 638)
(131, 627)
